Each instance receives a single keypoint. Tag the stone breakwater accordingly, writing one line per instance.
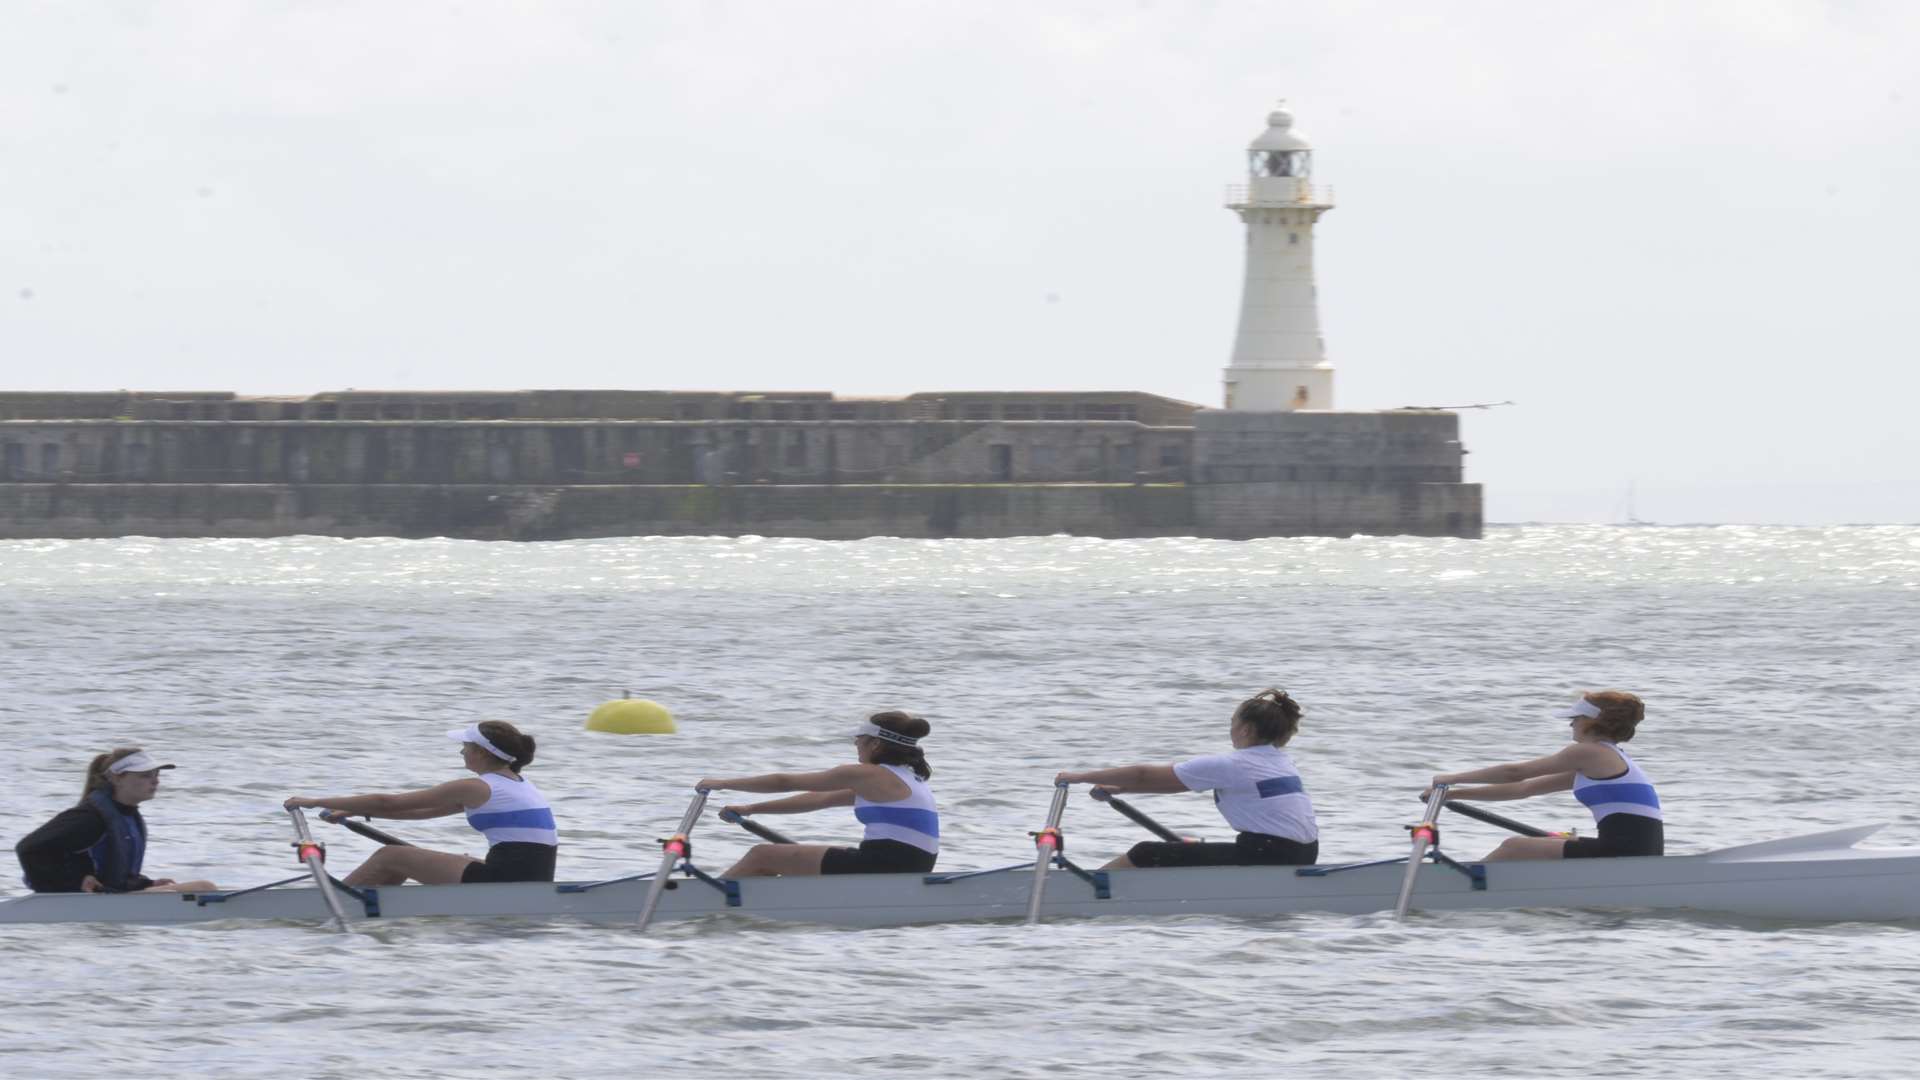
(839, 512)
(1206, 473)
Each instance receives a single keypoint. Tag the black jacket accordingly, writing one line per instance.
(54, 856)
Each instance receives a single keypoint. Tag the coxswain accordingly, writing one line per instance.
(1626, 809)
(100, 844)
(503, 805)
(887, 790)
(1256, 787)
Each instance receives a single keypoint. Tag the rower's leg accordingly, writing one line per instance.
(1120, 863)
(772, 860)
(1528, 847)
(394, 865)
(184, 886)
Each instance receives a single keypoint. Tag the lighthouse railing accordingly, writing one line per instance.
(1302, 195)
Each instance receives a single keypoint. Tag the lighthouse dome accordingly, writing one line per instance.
(1280, 134)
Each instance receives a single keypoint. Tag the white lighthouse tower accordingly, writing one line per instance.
(1279, 359)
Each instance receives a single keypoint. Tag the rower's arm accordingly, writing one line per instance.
(443, 800)
(1568, 760)
(1129, 779)
(872, 782)
(800, 804)
(1525, 789)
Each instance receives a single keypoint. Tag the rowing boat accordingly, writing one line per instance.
(1816, 877)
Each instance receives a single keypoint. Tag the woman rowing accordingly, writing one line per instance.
(1256, 787)
(503, 805)
(1601, 775)
(887, 789)
(100, 844)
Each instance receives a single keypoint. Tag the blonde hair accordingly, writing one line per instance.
(97, 777)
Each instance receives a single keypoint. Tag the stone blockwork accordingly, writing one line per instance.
(411, 405)
(831, 512)
(590, 452)
(1400, 447)
(959, 465)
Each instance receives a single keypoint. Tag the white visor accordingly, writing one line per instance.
(875, 731)
(472, 735)
(1579, 709)
(140, 762)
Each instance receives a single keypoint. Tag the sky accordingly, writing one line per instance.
(1677, 236)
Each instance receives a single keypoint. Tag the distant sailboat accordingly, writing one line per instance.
(1632, 517)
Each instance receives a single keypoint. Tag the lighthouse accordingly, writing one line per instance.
(1279, 358)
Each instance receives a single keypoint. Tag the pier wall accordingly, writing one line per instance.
(1201, 473)
(833, 512)
(589, 452)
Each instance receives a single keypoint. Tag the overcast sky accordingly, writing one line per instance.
(1681, 236)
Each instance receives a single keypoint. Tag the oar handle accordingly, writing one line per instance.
(692, 817)
(335, 817)
(1435, 800)
(771, 836)
(301, 834)
(1492, 818)
(1138, 817)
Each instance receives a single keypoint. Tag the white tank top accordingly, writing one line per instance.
(1629, 793)
(913, 820)
(517, 812)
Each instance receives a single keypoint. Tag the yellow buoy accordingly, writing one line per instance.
(632, 716)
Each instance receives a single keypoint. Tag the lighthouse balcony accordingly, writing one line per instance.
(1278, 192)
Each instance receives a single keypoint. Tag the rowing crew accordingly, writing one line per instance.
(99, 845)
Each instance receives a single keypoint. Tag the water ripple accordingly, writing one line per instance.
(1779, 665)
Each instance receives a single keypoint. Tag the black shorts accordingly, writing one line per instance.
(514, 860)
(1620, 834)
(877, 857)
(1247, 849)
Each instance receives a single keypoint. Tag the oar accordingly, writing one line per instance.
(754, 827)
(313, 854)
(1424, 837)
(1046, 844)
(672, 850)
(335, 817)
(1492, 818)
(1127, 810)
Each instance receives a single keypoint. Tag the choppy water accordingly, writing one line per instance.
(1779, 666)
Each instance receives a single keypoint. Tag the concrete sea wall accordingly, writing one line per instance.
(846, 511)
(1224, 474)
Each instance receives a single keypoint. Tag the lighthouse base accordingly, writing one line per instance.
(1250, 389)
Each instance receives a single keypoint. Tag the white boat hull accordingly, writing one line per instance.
(1814, 878)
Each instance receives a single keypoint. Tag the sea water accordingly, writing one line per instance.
(1779, 666)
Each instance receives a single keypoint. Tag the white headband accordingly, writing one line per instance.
(1579, 709)
(472, 735)
(875, 731)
